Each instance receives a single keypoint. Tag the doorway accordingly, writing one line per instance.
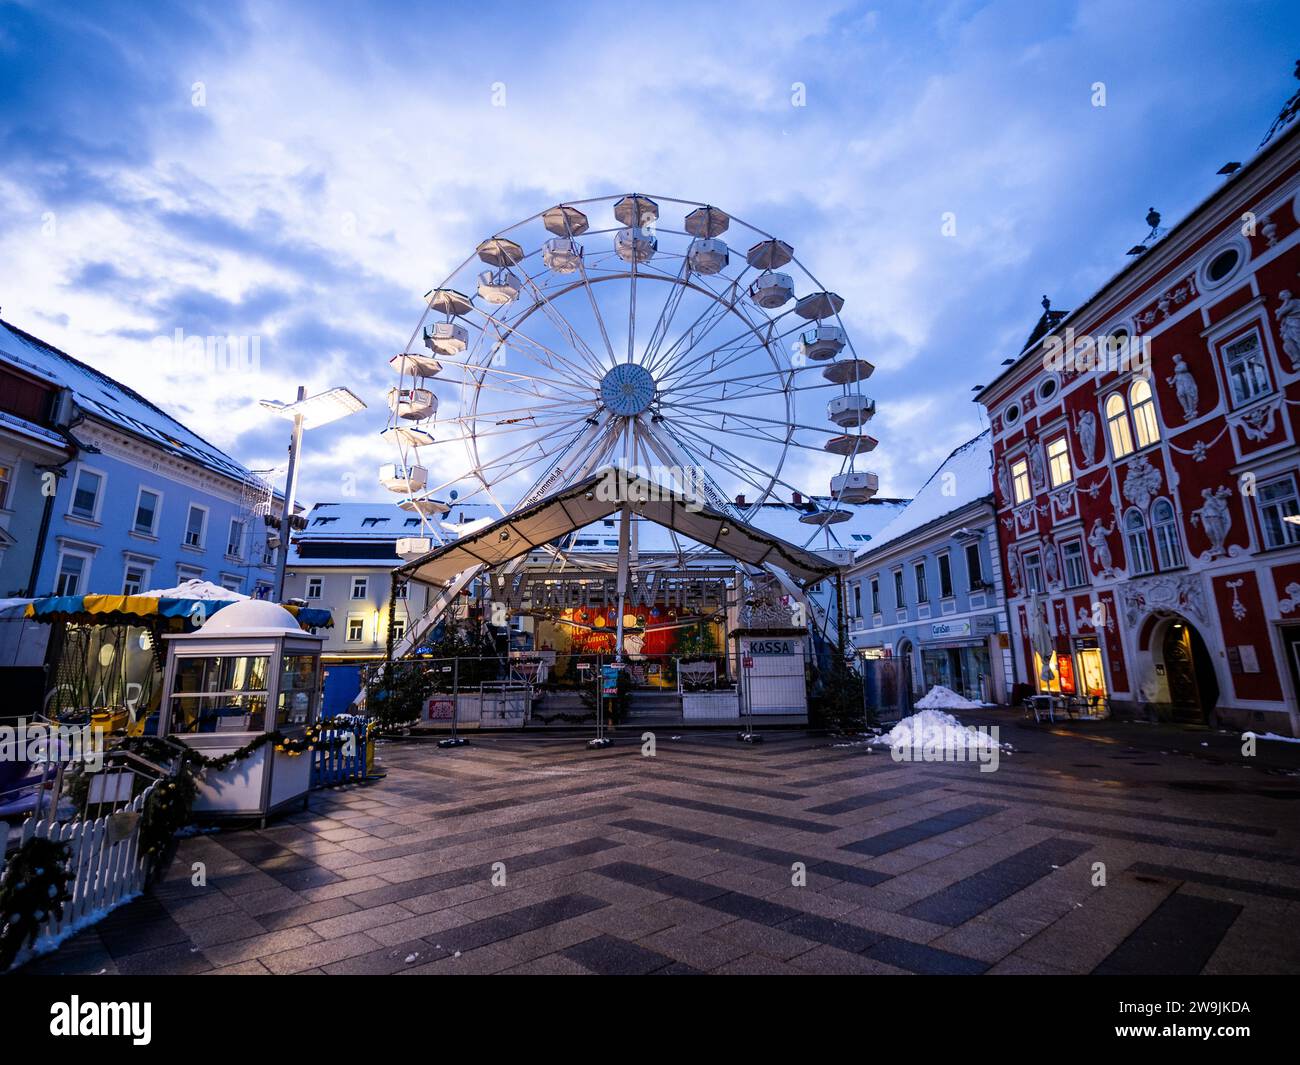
(1189, 673)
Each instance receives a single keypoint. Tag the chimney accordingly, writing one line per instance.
(796, 498)
(740, 500)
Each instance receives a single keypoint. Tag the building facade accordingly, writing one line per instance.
(1145, 450)
(106, 493)
(928, 590)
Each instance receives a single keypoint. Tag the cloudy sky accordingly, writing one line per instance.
(303, 172)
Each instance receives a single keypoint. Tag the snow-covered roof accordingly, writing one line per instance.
(965, 477)
(111, 401)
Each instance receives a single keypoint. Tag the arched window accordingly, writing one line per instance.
(1144, 413)
(1135, 537)
(1164, 527)
(1121, 436)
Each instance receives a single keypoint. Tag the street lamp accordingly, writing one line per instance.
(306, 412)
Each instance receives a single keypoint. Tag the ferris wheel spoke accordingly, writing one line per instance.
(571, 372)
(715, 312)
(564, 326)
(733, 350)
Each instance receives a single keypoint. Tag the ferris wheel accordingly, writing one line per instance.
(628, 330)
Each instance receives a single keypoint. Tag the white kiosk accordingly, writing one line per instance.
(249, 670)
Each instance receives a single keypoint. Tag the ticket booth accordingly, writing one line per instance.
(773, 673)
(248, 671)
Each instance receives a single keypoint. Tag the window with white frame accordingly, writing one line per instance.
(1072, 563)
(1135, 538)
(232, 583)
(922, 591)
(1164, 528)
(360, 587)
(1145, 423)
(196, 525)
(857, 599)
(1277, 501)
(1033, 566)
(188, 573)
(148, 503)
(6, 479)
(945, 577)
(87, 493)
(356, 629)
(899, 601)
(1117, 426)
(399, 628)
(235, 541)
(1058, 462)
(313, 587)
(974, 566)
(403, 590)
(74, 570)
(875, 595)
(1020, 481)
(135, 578)
(1243, 359)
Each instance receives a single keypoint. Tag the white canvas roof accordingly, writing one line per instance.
(597, 497)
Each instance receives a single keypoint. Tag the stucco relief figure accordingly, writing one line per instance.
(1050, 565)
(1087, 429)
(1013, 570)
(1100, 548)
(1036, 469)
(1004, 481)
(1215, 518)
(1184, 387)
(1288, 321)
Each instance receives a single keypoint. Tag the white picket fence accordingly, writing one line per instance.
(106, 873)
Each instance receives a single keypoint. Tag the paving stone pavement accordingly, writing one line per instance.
(531, 854)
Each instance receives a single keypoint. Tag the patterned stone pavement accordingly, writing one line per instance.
(682, 863)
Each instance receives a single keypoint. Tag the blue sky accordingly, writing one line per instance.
(343, 158)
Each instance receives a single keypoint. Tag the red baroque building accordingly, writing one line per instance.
(1143, 509)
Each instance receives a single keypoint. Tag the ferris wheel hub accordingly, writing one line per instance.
(627, 389)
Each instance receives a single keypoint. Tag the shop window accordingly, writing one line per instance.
(1135, 537)
(1058, 462)
(1164, 527)
(974, 566)
(922, 592)
(1033, 567)
(1072, 563)
(1145, 423)
(945, 577)
(1247, 374)
(224, 693)
(1117, 426)
(1279, 511)
(1020, 481)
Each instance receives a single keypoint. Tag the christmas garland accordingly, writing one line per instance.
(33, 888)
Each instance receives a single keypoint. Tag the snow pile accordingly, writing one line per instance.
(197, 589)
(1273, 736)
(941, 698)
(935, 730)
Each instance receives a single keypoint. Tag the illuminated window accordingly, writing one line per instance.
(1058, 462)
(1020, 481)
(1144, 413)
(1121, 436)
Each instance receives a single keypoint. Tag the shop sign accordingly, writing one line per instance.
(438, 708)
(944, 629)
(772, 647)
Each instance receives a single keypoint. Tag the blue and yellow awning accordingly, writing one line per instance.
(181, 614)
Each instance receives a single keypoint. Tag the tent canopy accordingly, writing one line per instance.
(597, 497)
(137, 609)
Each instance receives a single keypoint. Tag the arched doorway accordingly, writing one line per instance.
(1192, 690)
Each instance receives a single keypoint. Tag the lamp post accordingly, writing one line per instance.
(306, 412)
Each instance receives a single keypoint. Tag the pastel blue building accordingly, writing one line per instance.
(101, 491)
(928, 593)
